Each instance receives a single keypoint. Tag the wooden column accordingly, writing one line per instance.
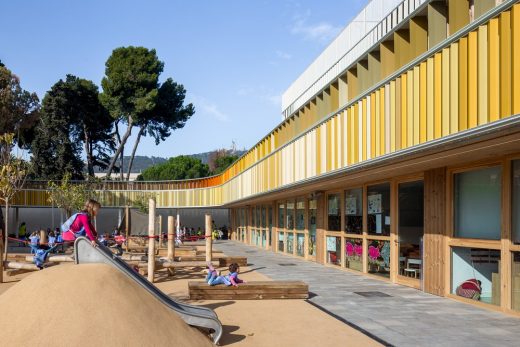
(208, 238)
(159, 232)
(151, 240)
(127, 225)
(171, 236)
(434, 231)
(320, 228)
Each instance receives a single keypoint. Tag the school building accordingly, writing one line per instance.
(398, 155)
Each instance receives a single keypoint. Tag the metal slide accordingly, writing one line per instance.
(197, 316)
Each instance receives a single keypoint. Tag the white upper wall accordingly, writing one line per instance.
(377, 19)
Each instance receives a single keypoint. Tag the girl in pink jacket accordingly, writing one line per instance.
(82, 225)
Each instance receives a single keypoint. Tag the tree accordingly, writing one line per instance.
(134, 97)
(169, 114)
(177, 168)
(72, 117)
(223, 162)
(69, 197)
(19, 109)
(13, 172)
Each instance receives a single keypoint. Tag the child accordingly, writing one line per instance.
(119, 239)
(104, 239)
(81, 225)
(40, 256)
(34, 241)
(213, 278)
(52, 240)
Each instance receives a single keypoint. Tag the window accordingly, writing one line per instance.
(281, 240)
(312, 227)
(354, 211)
(290, 243)
(333, 250)
(475, 274)
(334, 213)
(300, 244)
(515, 273)
(354, 254)
(379, 257)
(477, 203)
(515, 210)
(270, 213)
(378, 209)
(281, 216)
(290, 215)
(300, 215)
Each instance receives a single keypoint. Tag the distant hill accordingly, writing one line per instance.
(143, 162)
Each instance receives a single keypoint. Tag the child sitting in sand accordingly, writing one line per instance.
(103, 239)
(213, 278)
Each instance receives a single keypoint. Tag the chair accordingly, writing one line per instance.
(413, 266)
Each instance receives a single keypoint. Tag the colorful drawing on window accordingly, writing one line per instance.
(351, 205)
(331, 244)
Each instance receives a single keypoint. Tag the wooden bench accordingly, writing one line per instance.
(250, 291)
(226, 261)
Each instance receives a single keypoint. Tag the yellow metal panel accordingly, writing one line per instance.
(351, 136)
(410, 113)
(463, 83)
(356, 132)
(472, 79)
(454, 88)
(445, 91)
(494, 70)
(382, 122)
(416, 105)
(392, 116)
(430, 100)
(505, 64)
(515, 47)
(398, 113)
(328, 150)
(318, 150)
(438, 96)
(363, 134)
(483, 78)
(373, 125)
(422, 108)
(404, 110)
(377, 111)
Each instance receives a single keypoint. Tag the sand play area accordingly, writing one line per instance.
(96, 305)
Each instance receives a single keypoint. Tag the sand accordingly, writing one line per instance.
(267, 322)
(88, 305)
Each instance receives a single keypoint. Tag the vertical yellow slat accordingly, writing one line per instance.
(438, 95)
(472, 79)
(383, 125)
(505, 64)
(318, 151)
(494, 70)
(410, 115)
(515, 48)
(462, 66)
(328, 150)
(404, 110)
(356, 132)
(446, 91)
(398, 113)
(454, 88)
(483, 78)
(422, 102)
(430, 100)
(364, 129)
(373, 125)
(392, 116)
(377, 110)
(416, 108)
(349, 135)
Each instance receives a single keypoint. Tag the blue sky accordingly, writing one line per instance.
(235, 58)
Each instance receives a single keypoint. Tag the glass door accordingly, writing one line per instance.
(410, 231)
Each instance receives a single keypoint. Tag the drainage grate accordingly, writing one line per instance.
(287, 264)
(373, 294)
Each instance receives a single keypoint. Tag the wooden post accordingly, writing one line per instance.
(171, 237)
(208, 238)
(171, 242)
(127, 225)
(159, 232)
(43, 236)
(151, 240)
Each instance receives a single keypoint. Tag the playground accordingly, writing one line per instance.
(146, 296)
